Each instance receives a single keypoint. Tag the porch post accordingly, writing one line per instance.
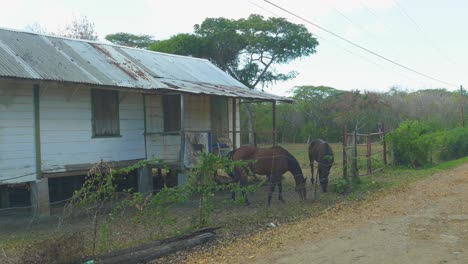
(274, 123)
(181, 177)
(234, 123)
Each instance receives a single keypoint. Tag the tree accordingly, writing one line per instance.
(317, 104)
(80, 28)
(248, 49)
(130, 40)
(181, 44)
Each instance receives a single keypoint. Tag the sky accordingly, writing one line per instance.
(429, 36)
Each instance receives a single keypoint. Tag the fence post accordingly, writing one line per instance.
(255, 138)
(354, 168)
(384, 146)
(345, 156)
(369, 154)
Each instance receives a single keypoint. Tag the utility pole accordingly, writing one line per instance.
(462, 102)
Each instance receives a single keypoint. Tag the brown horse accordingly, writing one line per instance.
(272, 162)
(321, 152)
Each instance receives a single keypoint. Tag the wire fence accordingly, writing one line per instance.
(24, 234)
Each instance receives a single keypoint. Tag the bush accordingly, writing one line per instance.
(454, 144)
(411, 144)
(340, 185)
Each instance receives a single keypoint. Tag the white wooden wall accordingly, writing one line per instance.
(17, 145)
(66, 129)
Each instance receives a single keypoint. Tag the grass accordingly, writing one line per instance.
(236, 219)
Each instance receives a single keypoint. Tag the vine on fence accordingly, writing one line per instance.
(100, 190)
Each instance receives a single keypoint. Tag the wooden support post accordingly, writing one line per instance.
(354, 168)
(40, 197)
(145, 180)
(37, 130)
(384, 146)
(4, 197)
(255, 138)
(274, 123)
(461, 107)
(369, 154)
(345, 157)
(181, 177)
(234, 124)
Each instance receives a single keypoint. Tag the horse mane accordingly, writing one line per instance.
(293, 164)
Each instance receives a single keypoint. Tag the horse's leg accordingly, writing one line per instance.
(280, 190)
(312, 172)
(235, 178)
(243, 182)
(272, 188)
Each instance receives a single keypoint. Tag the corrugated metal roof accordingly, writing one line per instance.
(33, 56)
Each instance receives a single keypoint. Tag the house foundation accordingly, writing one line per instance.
(145, 180)
(4, 196)
(40, 197)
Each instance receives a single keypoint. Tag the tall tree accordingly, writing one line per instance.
(131, 40)
(248, 49)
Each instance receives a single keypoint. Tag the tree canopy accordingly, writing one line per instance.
(248, 49)
(130, 40)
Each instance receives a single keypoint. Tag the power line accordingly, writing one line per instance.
(360, 47)
(422, 32)
(336, 44)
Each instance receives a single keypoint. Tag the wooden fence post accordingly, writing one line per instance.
(354, 168)
(384, 146)
(345, 156)
(369, 154)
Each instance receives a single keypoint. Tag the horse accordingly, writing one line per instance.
(321, 152)
(272, 162)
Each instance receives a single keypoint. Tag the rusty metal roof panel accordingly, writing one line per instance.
(33, 56)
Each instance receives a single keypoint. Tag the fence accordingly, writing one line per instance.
(353, 149)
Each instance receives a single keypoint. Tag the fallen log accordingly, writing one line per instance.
(144, 253)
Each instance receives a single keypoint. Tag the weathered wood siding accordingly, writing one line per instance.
(197, 112)
(66, 129)
(17, 144)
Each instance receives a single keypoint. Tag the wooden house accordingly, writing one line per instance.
(67, 104)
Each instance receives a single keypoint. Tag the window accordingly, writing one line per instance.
(171, 108)
(105, 111)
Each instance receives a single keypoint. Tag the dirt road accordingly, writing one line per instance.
(425, 222)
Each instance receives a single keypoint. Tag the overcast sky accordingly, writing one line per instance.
(430, 36)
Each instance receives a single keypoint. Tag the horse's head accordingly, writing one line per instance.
(301, 186)
(324, 170)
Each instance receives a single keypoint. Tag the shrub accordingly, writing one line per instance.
(454, 144)
(411, 144)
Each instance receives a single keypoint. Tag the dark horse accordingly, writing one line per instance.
(321, 152)
(272, 162)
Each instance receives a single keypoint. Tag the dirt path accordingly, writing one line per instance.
(425, 222)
